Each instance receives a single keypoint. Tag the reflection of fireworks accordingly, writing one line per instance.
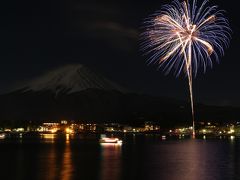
(185, 37)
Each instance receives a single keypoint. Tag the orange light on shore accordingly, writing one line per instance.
(68, 131)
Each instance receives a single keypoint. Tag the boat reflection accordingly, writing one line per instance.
(111, 163)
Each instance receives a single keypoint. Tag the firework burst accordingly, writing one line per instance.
(186, 37)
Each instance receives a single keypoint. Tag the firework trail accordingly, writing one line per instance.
(186, 37)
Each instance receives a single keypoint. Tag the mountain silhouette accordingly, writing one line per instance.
(74, 92)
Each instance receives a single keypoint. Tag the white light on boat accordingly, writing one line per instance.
(106, 140)
(2, 136)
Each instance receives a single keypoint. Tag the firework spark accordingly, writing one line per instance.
(186, 37)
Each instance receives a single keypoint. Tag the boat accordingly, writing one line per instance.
(164, 137)
(110, 140)
(2, 135)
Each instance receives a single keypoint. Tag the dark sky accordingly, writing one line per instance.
(37, 36)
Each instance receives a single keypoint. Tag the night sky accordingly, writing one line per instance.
(37, 36)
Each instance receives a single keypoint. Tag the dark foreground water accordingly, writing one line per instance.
(140, 157)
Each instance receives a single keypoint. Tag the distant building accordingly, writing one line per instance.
(49, 127)
(151, 126)
(127, 129)
(237, 129)
(64, 122)
(113, 127)
(88, 127)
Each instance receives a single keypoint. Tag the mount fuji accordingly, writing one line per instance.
(71, 79)
(74, 92)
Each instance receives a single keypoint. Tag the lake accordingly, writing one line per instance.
(140, 157)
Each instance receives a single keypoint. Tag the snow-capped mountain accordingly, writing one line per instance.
(70, 79)
(76, 93)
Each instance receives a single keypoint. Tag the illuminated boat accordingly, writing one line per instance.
(164, 137)
(110, 140)
(2, 136)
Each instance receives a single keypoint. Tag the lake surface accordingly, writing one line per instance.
(138, 158)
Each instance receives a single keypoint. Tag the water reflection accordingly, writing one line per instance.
(193, 159)
(56, 161)
(110, 161)
(66, 166)
(50, 164)
(49, 137)
(68, 158)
